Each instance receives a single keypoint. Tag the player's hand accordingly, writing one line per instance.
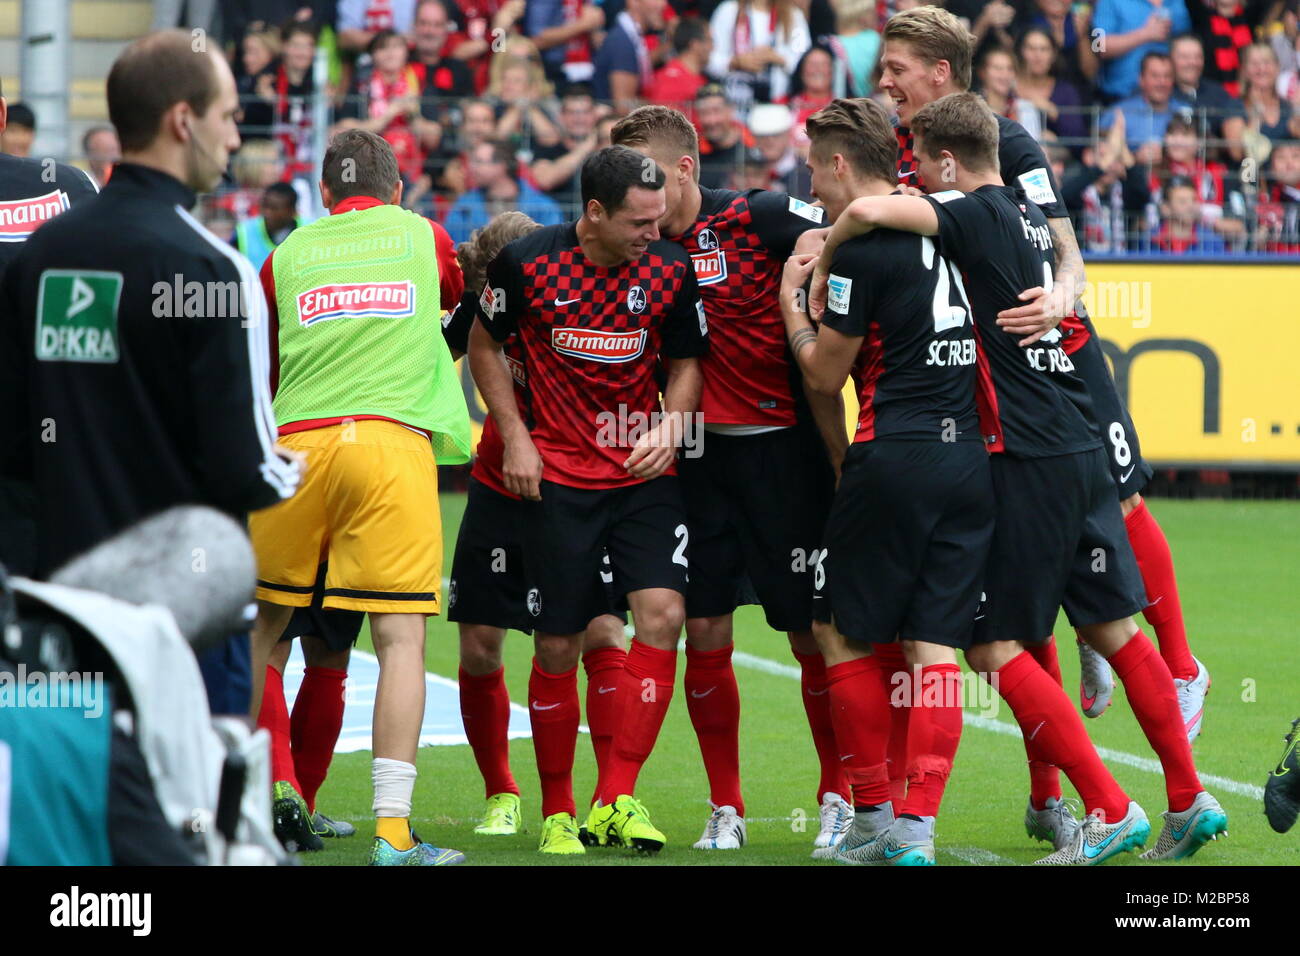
(797, 270)
(817, 293)
(910, 191)
(290, 454)
(521, 467)
(1041, 313)
(656, 449)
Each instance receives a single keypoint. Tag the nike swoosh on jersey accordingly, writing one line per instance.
(1124, 477)
(558, 302)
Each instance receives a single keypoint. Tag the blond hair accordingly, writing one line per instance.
(934, 34)
(655, 127)
(963, 124)
(483, 246)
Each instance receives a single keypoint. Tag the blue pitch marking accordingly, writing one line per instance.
(442, 724)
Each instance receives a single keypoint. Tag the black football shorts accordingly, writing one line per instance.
(337, 627)
(756, 506)
(1128, 468)
(1059, 540)
(588, 548)
(906, 542)
(488, 584)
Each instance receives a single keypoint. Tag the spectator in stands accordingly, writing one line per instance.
(623, 66)
(446, 174)
(255, 84)
(443, 78)
(496, 189)
(1071, 32)
(724, 141)
(1182, 230)
(1226, 28)
(16, 138)
(1130, 30)
(779, 165)
(1056, 99)
(290, 100)
(102, 150)
(520, 88)
(1266, 113)
(858, 42)
(256, 236)
(995, 81)
(238, 15)
(387, 102)
(257, 164)
(1148, 113)
(484, 29)
(677, 81)
(360, 21)
(1107, 192)
(1223, 208)
(756, 46)
(1218, 115)
(990, 23)
(556, 168)
(1279, 203)
(564, 32)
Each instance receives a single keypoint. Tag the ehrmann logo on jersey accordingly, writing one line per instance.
(609, 347)
(710, 264)
(20, 217)
(345, 300)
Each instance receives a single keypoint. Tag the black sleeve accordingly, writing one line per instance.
(76, 183)
(1024, 164)
(500, 302)
(856, 285)
(16, 345)
(227, 361)
(457, 323)
(963, 227)
(138, 833)
(686, 331)
(780, 219)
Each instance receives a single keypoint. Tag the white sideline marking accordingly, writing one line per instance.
(1011, 730)
(976, 856)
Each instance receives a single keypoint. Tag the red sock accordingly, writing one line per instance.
(553, 707)
(891, 660)
(645, 690)
(274, 716)
(859, 707)
(934, 731)
(1150, 692)
(817, 705)
(485, 714)
(1165, 612)
(1046, 715)
(603, 666)
(714, 705)
(314, 727)
(1044, 778)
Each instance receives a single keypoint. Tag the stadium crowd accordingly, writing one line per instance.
(1173, 126)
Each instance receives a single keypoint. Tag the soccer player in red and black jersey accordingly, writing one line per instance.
(1056, 513)
(757, 497)
(926, 55)
(596, 305)
(912, 518)
(486, 595)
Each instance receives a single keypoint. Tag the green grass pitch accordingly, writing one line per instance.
(1236, 565)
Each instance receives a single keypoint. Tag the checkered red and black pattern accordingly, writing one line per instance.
(739, 244)
(590, 338)
(909, 172)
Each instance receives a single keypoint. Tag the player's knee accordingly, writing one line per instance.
(557, 653)
(661, 623)
(480, 648)
(709, 633)
(604, 631)
(803, 642)
(317, 653)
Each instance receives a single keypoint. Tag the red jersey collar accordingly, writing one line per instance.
(355, 202)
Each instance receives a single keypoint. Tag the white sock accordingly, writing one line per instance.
(394, 782)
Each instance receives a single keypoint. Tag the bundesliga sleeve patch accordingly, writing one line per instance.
(837, 299)
(807, 210)
(948, 195)
(1038, 186)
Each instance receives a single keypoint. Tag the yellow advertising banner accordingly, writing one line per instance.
(1207, 357)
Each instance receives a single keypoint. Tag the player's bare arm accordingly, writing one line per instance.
(1044, 310)
(522, 465)
(905, 213)
(824, 356)
(827, 410)
(656, 449)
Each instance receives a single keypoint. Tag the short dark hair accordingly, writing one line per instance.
(20, 114)
(963, 124)
(709, 90)
(305, 27)
(1149, 56)
(383, 38)
(92, 132)
(687, 31)
(502, 153)
(575, 91)
(860, 131)
(284, 191)
(372, 170)
(607, 175)
(151, 76)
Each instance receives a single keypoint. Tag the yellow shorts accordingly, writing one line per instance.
(369, 506)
